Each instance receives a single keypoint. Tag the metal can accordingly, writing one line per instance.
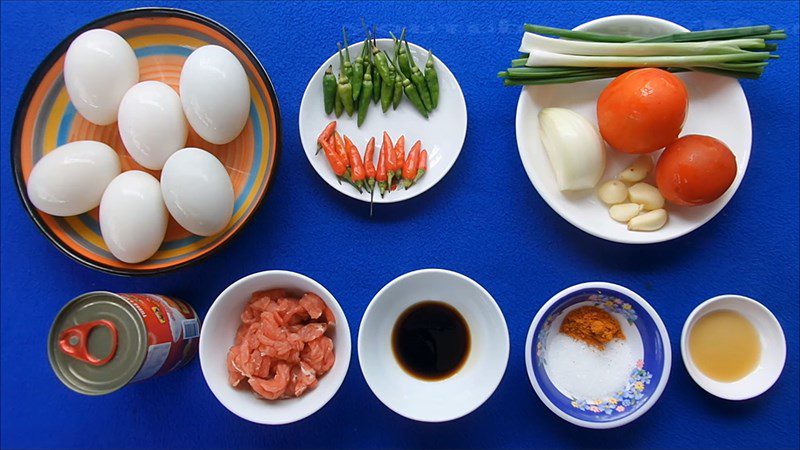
(101, 341)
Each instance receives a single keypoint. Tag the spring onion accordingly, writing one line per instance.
(580, 56)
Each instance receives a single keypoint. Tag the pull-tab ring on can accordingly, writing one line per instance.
(74, 341)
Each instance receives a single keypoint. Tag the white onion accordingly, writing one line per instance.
(574, 146)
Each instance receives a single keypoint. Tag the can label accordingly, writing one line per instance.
(172, 331)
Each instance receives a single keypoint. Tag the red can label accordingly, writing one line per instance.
(172, 331)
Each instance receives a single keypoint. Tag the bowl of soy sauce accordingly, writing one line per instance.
(433, 345)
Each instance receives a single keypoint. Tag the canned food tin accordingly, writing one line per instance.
(102, 341)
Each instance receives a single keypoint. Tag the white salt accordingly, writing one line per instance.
(585, 372)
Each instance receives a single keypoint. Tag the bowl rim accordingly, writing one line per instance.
(624, 239)
(46, 64)
(343, 324)
(445, 272)
(662, 331)
(704, 381)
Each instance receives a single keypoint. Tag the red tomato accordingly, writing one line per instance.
(642, 110)
(695, 170)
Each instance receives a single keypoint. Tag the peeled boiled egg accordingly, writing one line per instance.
(151, 123)
(133, 218)
(197, 191)
(215, 94)
(70, 180)
(99, 68)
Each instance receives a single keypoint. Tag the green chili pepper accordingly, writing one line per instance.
(403, 56)
(345, 91)
(411, 92)
(381, 62)
(338, 106)
(419, 82)
(398, 93)
(432, 80)
(358, 76)
(348, 65)
(329, 89)
(363, 101)
(376, 84)
(387, 90)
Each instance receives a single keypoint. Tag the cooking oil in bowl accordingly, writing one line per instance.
(724, 345)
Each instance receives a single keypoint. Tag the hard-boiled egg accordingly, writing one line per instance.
(215, 94)
(133, 218)
(151, 123)
(99, 68)
(197, 191)
(70, 180)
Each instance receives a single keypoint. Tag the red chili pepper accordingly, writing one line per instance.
(410, 167)
(380, 175)
(356, 165)
(326, 134)
(369, 165)
(400, 154)
(422, 166)
(340, 148)
(391, 157)
(336, 163)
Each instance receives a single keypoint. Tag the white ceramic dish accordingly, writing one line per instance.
(217, 335)
(647, 338)
(717, 107)
(464, 391)
(773, 348)
(442, 134)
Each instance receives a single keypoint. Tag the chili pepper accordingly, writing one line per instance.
(366, 56)
(358, 77)
(432, 80)
(381, 62)
(338, 146)
(422, 165)
(363, 101)
(377, 83)
(400, 156)
(326, 134)
(345, 90)
(347, 66)
(380, 175)
(329, 89)
(338, 106)
(397, 95)
(412, 94)
(333, 159)
(387, 90)
(369, 164)
(419, 82)
(404, 56)
(391, 157)
(410, 167)
(359, 174)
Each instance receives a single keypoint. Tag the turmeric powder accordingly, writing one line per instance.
(592, 325)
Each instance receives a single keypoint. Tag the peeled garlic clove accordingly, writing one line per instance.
(612, 192)
(637, 171)
(574, 146)
(646, 195)
(649, 221)
(624, 212)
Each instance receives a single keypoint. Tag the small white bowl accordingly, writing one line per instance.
(217, 335)
(464, 391)
(773, 348)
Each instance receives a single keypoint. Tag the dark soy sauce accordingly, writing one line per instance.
(431, 340)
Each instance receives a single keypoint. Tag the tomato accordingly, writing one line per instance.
(695, 170)
(642, 110)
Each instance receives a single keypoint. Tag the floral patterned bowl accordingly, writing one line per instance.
(645, 334)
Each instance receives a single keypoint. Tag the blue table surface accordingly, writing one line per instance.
(484, 220)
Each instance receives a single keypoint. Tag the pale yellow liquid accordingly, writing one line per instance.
(724, 345)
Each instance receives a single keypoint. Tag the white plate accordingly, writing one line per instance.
(442, 134)
(462, 392)
(717, 107)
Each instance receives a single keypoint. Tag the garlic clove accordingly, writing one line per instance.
(637, 171)
(646, 195)
(612, 192)
(649, 221)
(624, 212)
